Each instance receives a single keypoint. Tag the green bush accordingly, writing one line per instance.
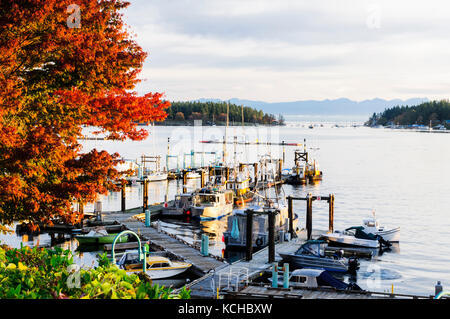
(39, 273)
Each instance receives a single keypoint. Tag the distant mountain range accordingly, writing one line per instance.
(341, 106)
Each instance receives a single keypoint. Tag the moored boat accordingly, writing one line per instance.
(158, 267)
(316, 278)
(99, 236)
(372, 226)
(311, 254)
(211, 203)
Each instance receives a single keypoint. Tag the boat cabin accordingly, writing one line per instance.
(211, 198)
(314, 278)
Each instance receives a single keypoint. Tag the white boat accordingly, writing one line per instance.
(156, 176)
(157, 267)
(372, 226)
(212, 203)
(349, 237)
(193, 175)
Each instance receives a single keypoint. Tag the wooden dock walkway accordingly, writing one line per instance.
(233, 275)
(161, 241)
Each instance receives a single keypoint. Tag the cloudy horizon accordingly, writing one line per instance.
(279, 51)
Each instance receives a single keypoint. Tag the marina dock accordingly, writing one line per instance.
(161, 241)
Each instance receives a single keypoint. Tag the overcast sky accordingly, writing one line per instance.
(288, 50)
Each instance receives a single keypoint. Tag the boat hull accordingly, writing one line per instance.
(299, 261)
(98, 240)
(351, 241)
(163, 273)
(209, 213)
(391, 235)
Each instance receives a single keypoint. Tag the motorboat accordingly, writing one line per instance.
(235, 237)
(316, 278)
(155, 176)
(211, 203)
(355, 237)
(372, 226)
(98, 236)
(179, 206)
(311, 254)
(157, 267)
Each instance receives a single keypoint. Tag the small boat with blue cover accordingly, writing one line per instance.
(312, 255)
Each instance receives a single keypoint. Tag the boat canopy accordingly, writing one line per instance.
(361, 234)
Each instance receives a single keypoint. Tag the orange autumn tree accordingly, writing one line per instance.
(65, 65)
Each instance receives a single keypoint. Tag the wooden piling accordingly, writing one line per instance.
(271, 237)
(291, 216)
(184, 181)
(249, 236)
(202, 178)
(123, 205)
(331, 213)
(145, 197)
(309, 201)
(280, 168)
(81, 207)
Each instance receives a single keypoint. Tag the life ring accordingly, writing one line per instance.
(259, 241)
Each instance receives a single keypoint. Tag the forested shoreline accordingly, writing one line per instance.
(216, 113)
(429, 113)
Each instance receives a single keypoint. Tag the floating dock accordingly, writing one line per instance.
(164, 242)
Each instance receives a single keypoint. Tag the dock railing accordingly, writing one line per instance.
(233, 278)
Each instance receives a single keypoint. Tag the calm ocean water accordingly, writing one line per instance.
(403, 176)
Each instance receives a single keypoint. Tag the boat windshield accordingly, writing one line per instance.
(315, 249)
(208, 198)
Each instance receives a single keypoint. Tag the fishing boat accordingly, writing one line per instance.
(372, 226)
(313, 173)
(158, 267)
(235, 237)
(316, 278)
(303, 171)
(211, 203)
(179, 206)
(241, 189)
(311, 254)
(99, 236)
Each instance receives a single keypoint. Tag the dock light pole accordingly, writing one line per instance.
(249, 236)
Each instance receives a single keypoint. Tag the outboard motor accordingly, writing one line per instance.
(383, 242)
(338, 254)
(353, 265)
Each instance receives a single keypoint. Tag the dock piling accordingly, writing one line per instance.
(145, 197)
(249, 236)
(286, 275)
(291, 217)
(309, 201)
(147, 218)
(331, 213)
(271, 236)
(275, 275)
(123, 205)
